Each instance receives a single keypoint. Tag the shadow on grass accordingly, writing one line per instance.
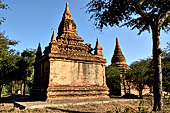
(66, 110)
(13, 98)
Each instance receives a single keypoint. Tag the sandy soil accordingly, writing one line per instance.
(111, 107)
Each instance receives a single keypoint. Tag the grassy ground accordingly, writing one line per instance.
(140, 106)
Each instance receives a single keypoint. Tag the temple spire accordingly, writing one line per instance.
(39, 52)
(117, 43)
(67, 24)
(118, 57)
(98, 44)
(98, 49)
(53, 38)
(67, 14)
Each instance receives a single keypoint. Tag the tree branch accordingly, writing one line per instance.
(143, 14)
(139, 9)
(161, 21)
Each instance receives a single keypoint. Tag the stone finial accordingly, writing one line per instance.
(67, 24)
(98, 49)
(118, 57)
(117, 43)
(53, 38)
(67, 14)
(98, 44)
(39, 52)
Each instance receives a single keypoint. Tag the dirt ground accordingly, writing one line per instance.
(133, 106)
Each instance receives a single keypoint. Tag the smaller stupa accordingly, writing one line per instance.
(118, 59)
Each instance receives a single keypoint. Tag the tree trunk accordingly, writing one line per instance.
(1, 90)
(124, 85)
(140, 91)
(129, 87)
(157, 86)
(13, 87)
(23, 87)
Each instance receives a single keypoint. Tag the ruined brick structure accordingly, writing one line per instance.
(68, 70)
(119, 61)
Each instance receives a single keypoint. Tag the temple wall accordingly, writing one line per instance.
(68, 70)
(76, 73)
(44, 75)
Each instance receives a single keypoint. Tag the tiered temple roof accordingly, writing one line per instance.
(118, 58)
(39, 52)
(69, 45)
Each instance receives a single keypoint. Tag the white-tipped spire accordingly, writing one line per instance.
(53, 38)
(67, 14)
(67, 7)
(98, 44)
(98, 49)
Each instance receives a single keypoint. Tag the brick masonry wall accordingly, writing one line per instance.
(75, 73)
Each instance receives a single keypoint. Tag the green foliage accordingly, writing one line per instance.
(8, 61)
(13, 66)
(140, 75)
(139, 14)
(8, 58)
(3, 6)
(166, 69)
(113, 79)
(5, 44)
(25, 64)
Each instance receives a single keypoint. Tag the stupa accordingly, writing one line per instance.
(118, 58)
(68, 70)
(119, 61)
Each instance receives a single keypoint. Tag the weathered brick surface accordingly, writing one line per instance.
(68, 69)
(76, 73)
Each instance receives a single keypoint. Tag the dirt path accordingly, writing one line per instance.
(112, 106)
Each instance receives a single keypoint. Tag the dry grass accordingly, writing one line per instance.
(144, 105)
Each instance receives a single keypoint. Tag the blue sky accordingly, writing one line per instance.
(32, 21)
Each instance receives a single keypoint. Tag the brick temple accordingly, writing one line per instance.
(69, 69)
(119, 61)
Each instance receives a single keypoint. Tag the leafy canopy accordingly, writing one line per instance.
(140, 72)
(113, 79)
(166, 68)
(139, 14)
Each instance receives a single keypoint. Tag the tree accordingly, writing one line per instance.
(150, 15)
(166, 69)
(138, 74)
(7, 67)
(25, 67)
(7, 55)
(113, 80)
(7, 60)
(5, 44)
